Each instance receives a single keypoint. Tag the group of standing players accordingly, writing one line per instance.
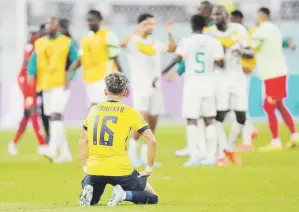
(216, 58)
(230, 66)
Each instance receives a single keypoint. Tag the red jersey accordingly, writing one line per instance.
(28, 90)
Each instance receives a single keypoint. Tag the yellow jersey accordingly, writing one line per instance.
(108, 126)
(97, 51)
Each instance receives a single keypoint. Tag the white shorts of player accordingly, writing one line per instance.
(152, 102)
(55, 100)
(95, 92)
(231, 92)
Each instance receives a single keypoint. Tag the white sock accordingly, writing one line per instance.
(212, 143)
(192, 138)
(201, 145)
(234, 134)
(246, 133)
(143, 154)
(276, 142)
(56, 130)
(295, 136)
(133, 148)
(222, 139)
(63, 144)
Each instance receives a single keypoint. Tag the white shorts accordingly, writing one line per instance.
(152, 103)
(196, 107)
(232, 93)
(95, 92)
(55, 100)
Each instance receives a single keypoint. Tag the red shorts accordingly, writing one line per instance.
(276, 88)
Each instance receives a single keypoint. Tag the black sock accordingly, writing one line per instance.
(142, 197)
(45, 120)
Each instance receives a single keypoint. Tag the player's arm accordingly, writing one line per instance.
(218, 54)
(139, 125)
(245, 49)
(288, 44)
(171, 42)
(114, 49)
(83, 143)
(83, 148)
(73, 57)
(258, 38)
(32, 68)
(126, 40)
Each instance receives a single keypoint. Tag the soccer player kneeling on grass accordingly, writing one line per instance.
(103, 150)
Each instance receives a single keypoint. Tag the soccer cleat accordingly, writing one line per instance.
(117, 196)
(245, 148)
(192, 163)
(209, 161)
(271, 148)
(233, 157)
(86, 196)
(42, 150)
(182, 153)
(223, 162)
(293, 144)
(12, 149)
(255, 133)
(63, 159)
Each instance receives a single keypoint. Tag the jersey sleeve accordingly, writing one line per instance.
(181, 49)
(218, 51)
(113, 45)
(131, 47)
(138, 123)
(31, 68)
(85, 123)
(258, 37)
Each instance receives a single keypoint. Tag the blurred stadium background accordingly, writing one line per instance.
(18, 17)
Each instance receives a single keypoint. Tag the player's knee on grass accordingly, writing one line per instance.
(221, 115)
(98, 189)
(241, 117)
(144, 197)
(192, 122)
(208, 120)
(56, 117)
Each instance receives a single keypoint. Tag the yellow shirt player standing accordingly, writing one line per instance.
(98, 57)
(103, 149)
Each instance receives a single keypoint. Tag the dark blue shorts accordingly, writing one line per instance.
(129, 183)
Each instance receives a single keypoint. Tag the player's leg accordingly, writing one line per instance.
(95, 92)
(34, 117)
(288, 119)
(93, 188)
(156, 108)
(275, 91)
(131, 188)
(12, 148)
(45, 119)
(208, 110)
(54, 103)
(141, 104)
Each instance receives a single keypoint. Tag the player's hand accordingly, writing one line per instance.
(292, 46)
(246, 71)
(156, 83)
(169, 26)
(144, 174)
(173, 76)
(67, 84)
(28, 103)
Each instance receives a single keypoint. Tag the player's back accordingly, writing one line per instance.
(270, 57)
(108, 125)
(200, 52)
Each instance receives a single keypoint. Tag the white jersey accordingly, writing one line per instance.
(200, 52)
(232, 39)
(144, 56)
(267, 41)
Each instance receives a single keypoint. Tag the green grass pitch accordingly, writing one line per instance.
(267, 182)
